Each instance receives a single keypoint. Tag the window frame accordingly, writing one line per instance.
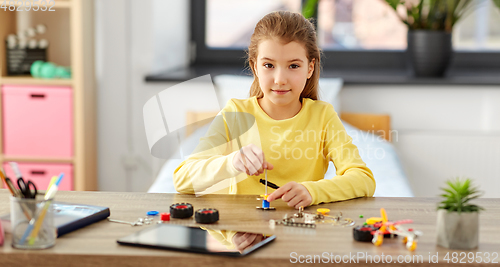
(342, 60)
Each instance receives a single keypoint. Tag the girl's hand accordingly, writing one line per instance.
(294, 193)
(242, 240)
(250, 159)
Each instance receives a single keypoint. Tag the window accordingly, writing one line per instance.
(359, 25)
(230, 23)
(352, 33)
(480, 30)
(342, 24)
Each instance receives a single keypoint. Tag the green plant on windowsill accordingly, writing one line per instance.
(430, 24)
(437, 15)
(457, 196)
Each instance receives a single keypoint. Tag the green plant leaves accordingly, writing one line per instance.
(457, 196)
(439, 15)
(394, 3)
(497, 3)
(309, 8)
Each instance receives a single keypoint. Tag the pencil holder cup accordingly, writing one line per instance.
(32, 221)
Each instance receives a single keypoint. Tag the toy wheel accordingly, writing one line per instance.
(206, 216)
(181, 210)
(378, 239)
(363, 233)
(412, 245)
(405, 239)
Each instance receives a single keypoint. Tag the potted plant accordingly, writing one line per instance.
(310, 11)
(457, 218)
(430, 24)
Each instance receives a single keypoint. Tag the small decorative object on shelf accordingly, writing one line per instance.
(19, 60)
(22, 50)
(457, 219)
(48, 70)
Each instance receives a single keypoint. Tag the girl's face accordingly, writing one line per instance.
(283, 70)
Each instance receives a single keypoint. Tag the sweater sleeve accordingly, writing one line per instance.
(211, 162)
(353, 179)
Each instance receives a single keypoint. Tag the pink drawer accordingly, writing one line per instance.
(37, 121)
(41, 173)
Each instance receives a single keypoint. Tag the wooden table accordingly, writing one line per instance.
(95, 245)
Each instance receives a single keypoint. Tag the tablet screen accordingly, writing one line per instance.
(194, 239)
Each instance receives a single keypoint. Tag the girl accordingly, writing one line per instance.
(286, 129)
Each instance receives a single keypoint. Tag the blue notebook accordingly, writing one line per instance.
(69, 217)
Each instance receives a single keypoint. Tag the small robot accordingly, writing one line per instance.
(376, 228)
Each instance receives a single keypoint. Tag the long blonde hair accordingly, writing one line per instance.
(287, 27)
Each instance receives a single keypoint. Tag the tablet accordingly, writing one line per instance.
(189, 239)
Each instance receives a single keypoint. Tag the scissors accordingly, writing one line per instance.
(27, 189)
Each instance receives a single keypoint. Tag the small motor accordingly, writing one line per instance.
(206, 215)
(181, 210)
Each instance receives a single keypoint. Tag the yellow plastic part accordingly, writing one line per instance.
(323, 211)
(373, 220)
(384, 215)
(411, 246)
(378, 240)
(405, 239)
(264, 196)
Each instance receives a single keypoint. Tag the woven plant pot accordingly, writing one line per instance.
(457, 230)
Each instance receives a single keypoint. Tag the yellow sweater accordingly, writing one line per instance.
(300, 149)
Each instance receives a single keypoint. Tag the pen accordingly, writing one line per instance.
(52, 181)
(32, 228)
(16, 170)
(12, 189)
(42, 214)
(8, 183)
(15, 193)
(272, 185)
(51, 192)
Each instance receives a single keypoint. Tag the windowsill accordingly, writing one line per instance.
(351, 77)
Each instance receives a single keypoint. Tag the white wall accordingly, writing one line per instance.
(133, 38)
(443, 131)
